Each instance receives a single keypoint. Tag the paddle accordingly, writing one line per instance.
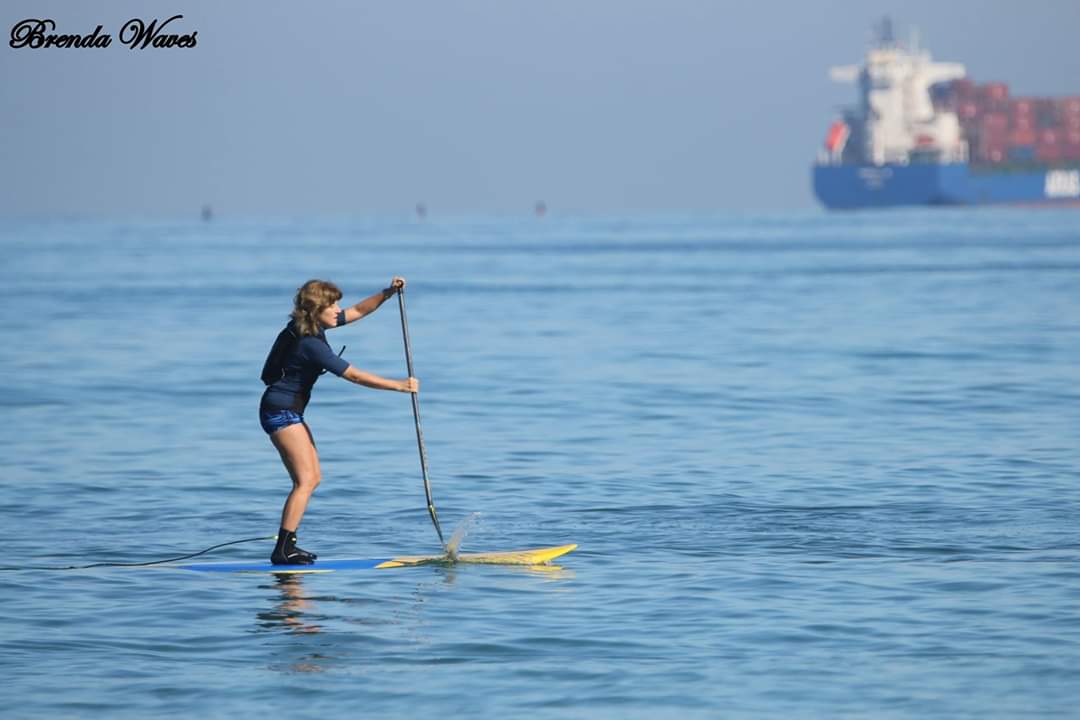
(416, 417)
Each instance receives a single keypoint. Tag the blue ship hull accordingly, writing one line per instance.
(849, 187)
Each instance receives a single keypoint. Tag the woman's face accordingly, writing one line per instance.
(328, 316)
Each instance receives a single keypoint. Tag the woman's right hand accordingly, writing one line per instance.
(410, 385)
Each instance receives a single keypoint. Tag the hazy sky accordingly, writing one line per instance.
(358, 107)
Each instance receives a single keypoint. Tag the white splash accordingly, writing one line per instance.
(459, 534)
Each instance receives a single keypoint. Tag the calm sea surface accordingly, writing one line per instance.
(817, 465)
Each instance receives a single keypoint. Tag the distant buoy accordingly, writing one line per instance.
(541, 209)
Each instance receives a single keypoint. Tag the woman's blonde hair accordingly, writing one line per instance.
(312, 298)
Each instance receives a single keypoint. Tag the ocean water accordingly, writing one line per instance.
(817, 465)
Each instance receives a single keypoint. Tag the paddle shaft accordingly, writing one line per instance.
(416, 418)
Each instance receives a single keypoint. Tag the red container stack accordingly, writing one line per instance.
(1022, 136)
(995, 91)
(1069, 113)
(964, 89)
(967, 110)
(1070, 145)
(1046, 114)
(1022, 130)
(1015, 130)
(993, 137)
(1021, 108)
(1047, 149)
(992, 154)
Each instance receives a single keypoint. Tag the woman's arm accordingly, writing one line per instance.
(372, 380)
(371, 304)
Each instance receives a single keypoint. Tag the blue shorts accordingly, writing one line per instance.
(274, 420)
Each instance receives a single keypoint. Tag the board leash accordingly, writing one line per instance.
(139, 564)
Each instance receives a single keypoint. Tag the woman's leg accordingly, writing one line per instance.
(297, 449)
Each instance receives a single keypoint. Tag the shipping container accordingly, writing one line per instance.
(1022, 137)
(994, 92)
(1020, 107)
(1022, 153)
(1046, 113)
(996, 137)
(1022, 122)
(994, 121)
(1048, 137)
(1046, 120)
(993, 154)
(1069, 106)
(1049, 153)
(988, 142)
(967, 110)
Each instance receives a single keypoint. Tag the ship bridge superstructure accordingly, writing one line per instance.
(896, 121)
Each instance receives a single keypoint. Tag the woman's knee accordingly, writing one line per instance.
(308, 479)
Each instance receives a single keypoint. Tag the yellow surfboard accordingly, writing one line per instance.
(537, 556)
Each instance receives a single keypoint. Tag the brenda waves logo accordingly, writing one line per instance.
(136, 34)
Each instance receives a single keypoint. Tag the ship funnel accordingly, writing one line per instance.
(886, 38)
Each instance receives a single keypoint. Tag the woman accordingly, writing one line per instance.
(298, 357)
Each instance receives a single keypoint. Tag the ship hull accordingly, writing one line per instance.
(852, 187)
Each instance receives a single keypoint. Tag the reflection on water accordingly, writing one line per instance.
(292, 611)
(548, 572)
(296, 612)
(320, 619)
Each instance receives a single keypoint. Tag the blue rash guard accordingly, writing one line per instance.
(309, 358)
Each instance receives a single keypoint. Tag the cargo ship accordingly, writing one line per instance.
(923, 133)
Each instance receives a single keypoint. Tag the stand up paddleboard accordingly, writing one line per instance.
(538, 556)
